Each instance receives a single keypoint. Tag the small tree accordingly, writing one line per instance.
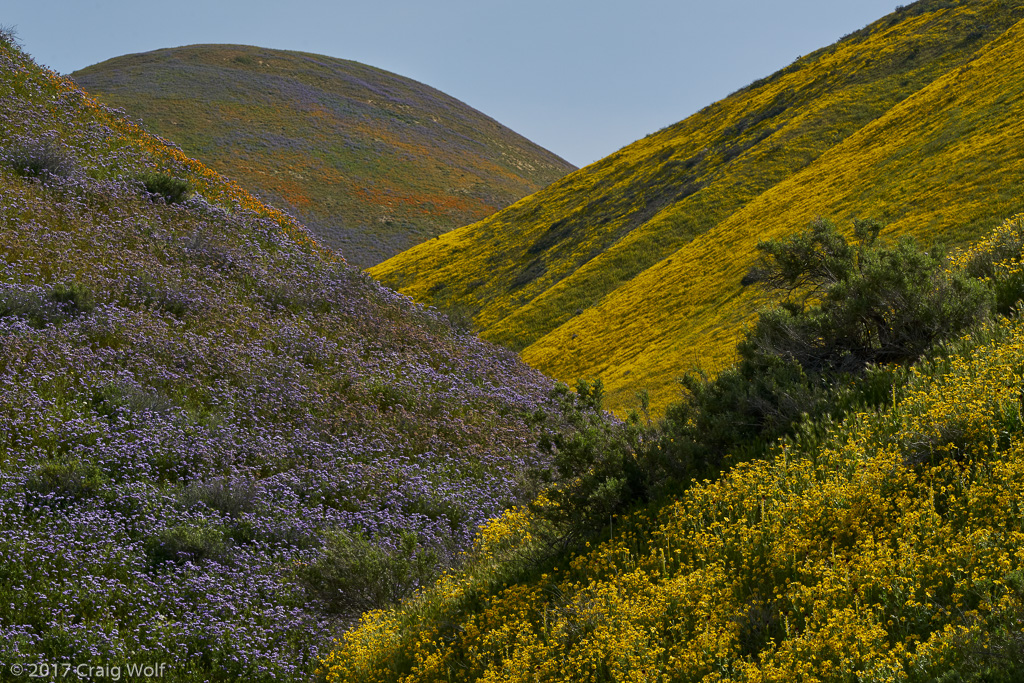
(854, 315)
(850, 306)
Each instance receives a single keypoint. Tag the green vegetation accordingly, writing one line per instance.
(629, 270)
(872, 304)
(600, 466)
(40, 307)
(219, 443)
(356, 575)
(372, 163)
(38, 159)
(77, 297)
(172, 190)
(67, 480)
(187, 543)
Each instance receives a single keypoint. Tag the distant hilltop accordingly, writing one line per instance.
(371, 162)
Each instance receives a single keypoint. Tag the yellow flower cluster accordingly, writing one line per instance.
(999, 247)
(886, 554)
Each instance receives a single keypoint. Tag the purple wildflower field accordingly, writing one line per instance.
(194, 395)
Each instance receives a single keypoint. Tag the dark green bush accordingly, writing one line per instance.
(164, 297)
(989, 656)
(40, 159)
(1005, 247)
(356, 574)
(41, 308)
(172, 190)
(853, 318)
(70, 479)
(187, 543)
(850, 306)
(77, 297)
(30, 305)
(597, 465)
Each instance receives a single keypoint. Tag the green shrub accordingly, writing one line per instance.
(30, 305)
(734, 413)
(230, 496)
(355, 574)
(997, 260)
(40, 159)
(172, 190)
(123, 400)
(990, 656)
(70, 479)
(166, 298)
(187, 543)
(77, 297)
(596, 464)
(849, 306)
(854, 317)
(41, 308)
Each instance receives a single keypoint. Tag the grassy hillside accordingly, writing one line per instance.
(218, 441)
(371, 162)
(630, 269)
(885, 547)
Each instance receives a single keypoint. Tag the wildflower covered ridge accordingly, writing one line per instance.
(629, 269)
(218, 441)
(887, 547)
(371, 162)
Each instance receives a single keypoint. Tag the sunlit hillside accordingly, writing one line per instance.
(219, 443)
(630, 269)
(371, 162)
(884, 547)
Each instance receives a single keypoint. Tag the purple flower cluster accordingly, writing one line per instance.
(173, 453)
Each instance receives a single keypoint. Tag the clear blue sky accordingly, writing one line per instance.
(582, 78)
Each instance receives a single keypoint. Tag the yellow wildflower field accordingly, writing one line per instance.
(892, 550)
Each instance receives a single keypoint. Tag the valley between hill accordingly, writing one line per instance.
(224, 448)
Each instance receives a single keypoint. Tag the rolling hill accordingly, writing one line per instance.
(219, 442)
(371, 162)
(213, 431)
(630, 269)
